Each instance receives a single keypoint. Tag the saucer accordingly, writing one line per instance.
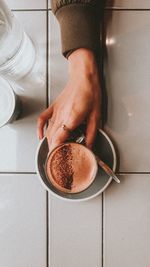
(103, 147)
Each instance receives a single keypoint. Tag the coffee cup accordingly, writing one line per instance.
(71, 167)
(10, 104)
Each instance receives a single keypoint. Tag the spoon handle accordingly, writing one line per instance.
(106, 168)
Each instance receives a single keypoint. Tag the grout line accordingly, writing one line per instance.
(102, 251)
(31, 9)
(126, 9)
(132, 173)
(102, 64)
(119, 173)
(22, 10)
(18, 173)
(47, 59)
(105, 9)
(47, 98)
(102, 68)
(47, 229)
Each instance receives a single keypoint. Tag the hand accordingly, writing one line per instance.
(79, 101)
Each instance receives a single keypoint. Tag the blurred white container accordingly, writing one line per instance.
(10, 104)
(17, 53)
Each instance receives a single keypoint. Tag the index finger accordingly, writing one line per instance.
(44, 116)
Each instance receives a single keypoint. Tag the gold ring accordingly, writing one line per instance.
(66, 128)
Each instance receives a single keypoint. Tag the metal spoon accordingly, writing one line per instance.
(103, 165)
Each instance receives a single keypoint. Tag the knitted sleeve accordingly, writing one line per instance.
(79, 24)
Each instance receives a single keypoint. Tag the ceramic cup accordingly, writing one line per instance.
(71, 167)
(10, 104)
(103, 147)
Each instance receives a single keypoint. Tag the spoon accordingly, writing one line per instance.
(103, 165)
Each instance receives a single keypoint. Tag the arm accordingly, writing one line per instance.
(80, 100)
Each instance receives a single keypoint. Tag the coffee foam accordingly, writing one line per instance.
(71, 167)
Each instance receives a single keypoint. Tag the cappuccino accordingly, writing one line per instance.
(71, 167)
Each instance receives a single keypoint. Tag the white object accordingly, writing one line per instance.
(17, 53)
(9, 108)
(17, 152)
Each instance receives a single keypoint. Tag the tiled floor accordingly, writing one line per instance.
(22, 221)
(111, 230)
(133, 4)
(126, 219)
(75, 233)
(49, 3)
(128, 86)
(27, 4)
(126, 222)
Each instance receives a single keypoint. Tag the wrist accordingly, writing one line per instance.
(82, 61)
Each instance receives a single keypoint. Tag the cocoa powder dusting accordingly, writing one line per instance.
(62, 165)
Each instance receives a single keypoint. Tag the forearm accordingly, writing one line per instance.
(83, 60)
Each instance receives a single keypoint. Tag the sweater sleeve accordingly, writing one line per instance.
(79, 24)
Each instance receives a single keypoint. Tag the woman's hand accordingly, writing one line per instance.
(79, 101)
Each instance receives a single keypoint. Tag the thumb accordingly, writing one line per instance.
(91, 129)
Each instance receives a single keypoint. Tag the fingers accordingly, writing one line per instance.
(92, 125)
(44, 116)
(58, 137)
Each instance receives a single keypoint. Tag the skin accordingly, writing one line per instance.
(79, 101)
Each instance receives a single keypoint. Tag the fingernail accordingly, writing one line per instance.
(40, 137)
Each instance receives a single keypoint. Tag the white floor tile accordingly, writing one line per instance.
(22, 221)
(22, 4)
(129, 3)
(49, 3)
(127, 220)
(75, 233)
(57, 64)
(127, 82)
(18, 141)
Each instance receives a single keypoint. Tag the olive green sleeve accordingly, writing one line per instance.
(79, 24)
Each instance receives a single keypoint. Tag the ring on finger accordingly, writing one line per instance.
(65, 128)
